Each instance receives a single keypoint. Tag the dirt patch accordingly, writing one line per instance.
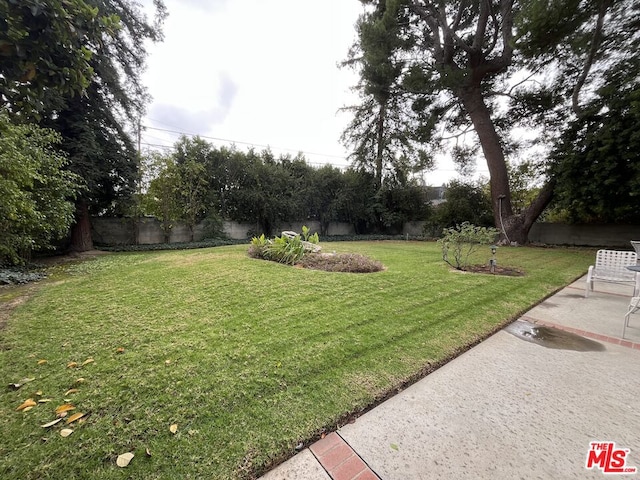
(71, 257)
(12, 296)
(22, 294)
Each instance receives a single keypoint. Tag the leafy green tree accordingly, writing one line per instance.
(377, 132)
(492, 66)
(193, 185)
(465, 202)
(76, 67)
(397, 204)
(44, 52)
(36, 206)
(598, 161)
(354, 200)
(322, 197)
(161, 198)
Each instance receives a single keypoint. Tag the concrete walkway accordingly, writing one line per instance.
(507, 409)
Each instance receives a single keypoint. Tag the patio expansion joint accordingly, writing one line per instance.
(584, 333)
(339, 460)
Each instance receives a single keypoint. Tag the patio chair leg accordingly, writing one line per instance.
(633, 306)
(626, 322)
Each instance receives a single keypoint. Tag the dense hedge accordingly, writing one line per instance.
(223, 242)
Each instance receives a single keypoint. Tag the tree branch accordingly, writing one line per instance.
(595, 43)
(481, 29)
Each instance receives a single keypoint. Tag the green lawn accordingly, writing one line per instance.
(249, 358)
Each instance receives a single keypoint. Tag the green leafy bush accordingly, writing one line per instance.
(288, 248)
(285, 249)
(258, 247)
(462, 240)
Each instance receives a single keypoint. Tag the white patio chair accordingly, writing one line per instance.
(636, 246)
(633, 307)
(611, 267)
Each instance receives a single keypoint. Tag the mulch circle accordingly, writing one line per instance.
(498, 270)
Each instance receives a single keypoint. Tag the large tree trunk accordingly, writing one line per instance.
(81, 240)
(513, 228)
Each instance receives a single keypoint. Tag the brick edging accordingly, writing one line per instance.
(341, 461)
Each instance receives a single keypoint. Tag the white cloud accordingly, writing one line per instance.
(262, 72)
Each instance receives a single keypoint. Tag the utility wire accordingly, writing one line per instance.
(241, 143)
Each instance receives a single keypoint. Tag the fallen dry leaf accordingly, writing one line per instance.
(26, 404)
(44, 400)
(173, 428)
(74, 417)
(65, 408)
(51, 424)
(79, 381)
(42, 362)
(72, 364)
(120, 350)
(38, 393)
(73, 390)
(124, 459)
(26, 409)
(88, 361)
(65, 432)
(167, 362)
(148, 452)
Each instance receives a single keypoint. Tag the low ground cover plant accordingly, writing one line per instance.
(208, 364)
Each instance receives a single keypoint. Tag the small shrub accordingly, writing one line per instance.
(289, 248)
(306, 235)
(462, 240)
(258, 247)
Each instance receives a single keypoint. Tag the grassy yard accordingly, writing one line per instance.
(248, 358)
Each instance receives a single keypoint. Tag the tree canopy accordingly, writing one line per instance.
(495, 68)
(75, 66)
(199, 182)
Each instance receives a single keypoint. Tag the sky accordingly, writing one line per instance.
(256, 72)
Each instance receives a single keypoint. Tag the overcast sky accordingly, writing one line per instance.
(261, 72)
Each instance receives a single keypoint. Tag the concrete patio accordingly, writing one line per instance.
(511, 407)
